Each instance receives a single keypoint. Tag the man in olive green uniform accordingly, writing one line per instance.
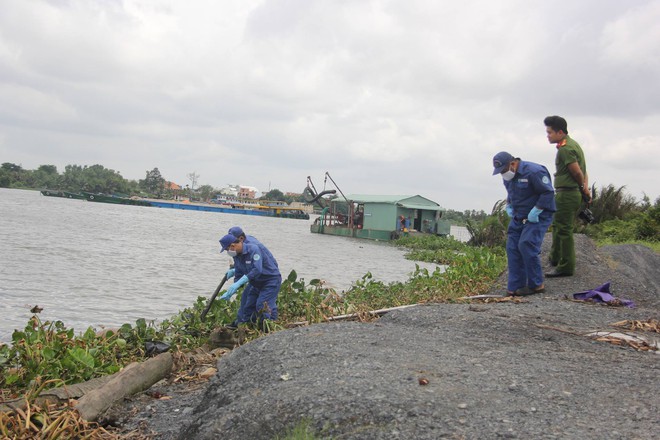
(571, 184)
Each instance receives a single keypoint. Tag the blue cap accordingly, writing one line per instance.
(501, 161)
(226, 241)
(236, 231)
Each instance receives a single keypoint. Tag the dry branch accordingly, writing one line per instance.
(379, 312)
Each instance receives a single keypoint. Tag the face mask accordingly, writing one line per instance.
(232, 253)
(508, 175)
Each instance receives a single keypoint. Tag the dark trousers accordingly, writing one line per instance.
(523, 248)
(562, 252)
(260, 302)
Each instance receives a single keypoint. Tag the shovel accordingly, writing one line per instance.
(217, 289)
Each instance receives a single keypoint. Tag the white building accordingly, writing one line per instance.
(240, 191)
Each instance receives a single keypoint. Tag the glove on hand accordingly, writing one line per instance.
(533, 215)
(509, 210)
(234, 287)
(230, 273)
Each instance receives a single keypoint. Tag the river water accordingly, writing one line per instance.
(104, 265)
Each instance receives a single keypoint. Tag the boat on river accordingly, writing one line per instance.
(376, 217)
(64, 194)
(115, 199)
(252, 207)
(236, 208)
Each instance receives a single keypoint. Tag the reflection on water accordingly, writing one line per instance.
(100, 264)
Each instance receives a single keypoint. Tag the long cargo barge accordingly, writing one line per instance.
(258, 210)
(241, 208)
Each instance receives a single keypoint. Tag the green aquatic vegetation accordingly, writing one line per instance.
(430, 243)
(469, 271)
(311, 302)
(48, 350)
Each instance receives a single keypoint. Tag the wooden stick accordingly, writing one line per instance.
(482, 296)
(379, 312)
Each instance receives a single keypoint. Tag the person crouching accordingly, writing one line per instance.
(258, 269)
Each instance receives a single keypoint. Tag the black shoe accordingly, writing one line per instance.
(232, 326)
(526, 291)
(555, 274)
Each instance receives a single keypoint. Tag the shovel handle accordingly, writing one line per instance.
(217, 289)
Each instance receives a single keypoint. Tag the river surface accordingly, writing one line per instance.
(97, 264)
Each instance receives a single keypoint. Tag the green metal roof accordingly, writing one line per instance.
(376, 198)
(418, 206)
(405, 201)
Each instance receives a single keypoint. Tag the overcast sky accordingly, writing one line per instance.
(389, 97)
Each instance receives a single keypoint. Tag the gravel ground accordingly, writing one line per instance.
(523, 369)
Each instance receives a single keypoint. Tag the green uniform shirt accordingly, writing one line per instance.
(567, 154)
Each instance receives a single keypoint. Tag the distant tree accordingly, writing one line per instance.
(45, 176)
(7, 174)
(611, 203)
(274, 194)
(491, 230)
(72, 178)
(8, 166)
(193, 177)
(5, 178)
(47, 169)
(648, 224)
(153, 183)
(206, 192)
(98, 179)
(95, 178)
(132, 187)
(12, 175)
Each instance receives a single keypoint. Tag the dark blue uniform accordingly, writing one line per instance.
(530, 187)
(259, 299)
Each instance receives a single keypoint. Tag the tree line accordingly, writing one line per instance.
(94, 178)
(98, 179)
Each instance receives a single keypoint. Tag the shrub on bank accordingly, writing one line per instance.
(639, 225)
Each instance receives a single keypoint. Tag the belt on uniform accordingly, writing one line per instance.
(566, 188)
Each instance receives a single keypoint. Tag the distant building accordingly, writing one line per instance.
(230, 190)
(240, 191)
(247, 192)
(174, 189)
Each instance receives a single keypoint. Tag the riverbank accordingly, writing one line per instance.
(102, 265)
(512, 369)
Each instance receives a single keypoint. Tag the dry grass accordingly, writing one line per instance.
(650, 325)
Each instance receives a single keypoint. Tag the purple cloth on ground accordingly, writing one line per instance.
(601, 295)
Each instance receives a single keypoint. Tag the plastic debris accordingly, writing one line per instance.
(602, 294)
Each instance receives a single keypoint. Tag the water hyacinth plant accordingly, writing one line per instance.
(48, 352)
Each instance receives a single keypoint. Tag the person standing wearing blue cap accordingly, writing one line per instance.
(530, 203)
(255, 266)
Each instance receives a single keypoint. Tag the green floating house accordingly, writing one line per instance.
(381, 217)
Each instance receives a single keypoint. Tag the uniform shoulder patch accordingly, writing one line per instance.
(545, 180)
(256, 257)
